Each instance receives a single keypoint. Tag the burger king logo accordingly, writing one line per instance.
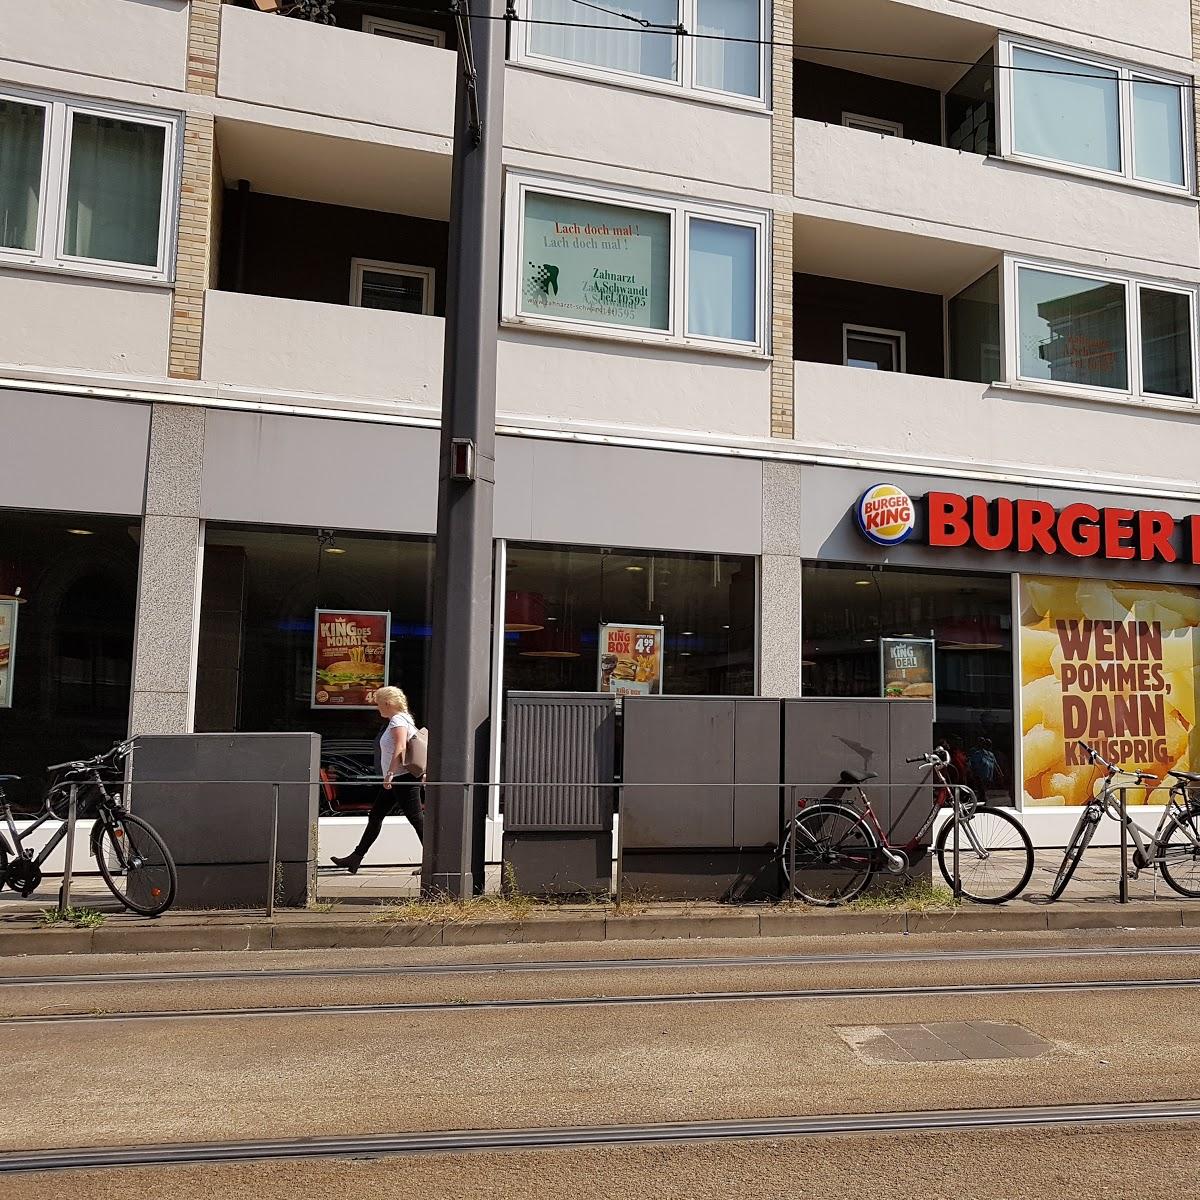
(885, 515)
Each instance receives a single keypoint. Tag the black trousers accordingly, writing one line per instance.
(405, 794)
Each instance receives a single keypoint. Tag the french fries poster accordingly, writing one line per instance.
(631, 660)
(1112, 665)
(350, 657)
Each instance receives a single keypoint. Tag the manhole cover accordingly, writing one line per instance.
(944, 1041)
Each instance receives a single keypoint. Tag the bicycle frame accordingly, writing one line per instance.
(17, 848)
(1148, 854)
(942, 798)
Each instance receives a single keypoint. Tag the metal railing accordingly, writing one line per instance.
(796, 793)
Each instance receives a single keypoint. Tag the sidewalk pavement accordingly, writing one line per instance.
(353, 913)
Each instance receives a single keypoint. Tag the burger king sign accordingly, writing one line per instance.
(885, 515)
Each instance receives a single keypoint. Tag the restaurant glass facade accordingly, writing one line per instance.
(71, 579)
(848, 608)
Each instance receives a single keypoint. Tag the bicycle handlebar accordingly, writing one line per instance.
(1112, 769)
(932, 758)
(119, 751)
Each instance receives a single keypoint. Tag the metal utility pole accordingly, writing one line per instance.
(462, 579)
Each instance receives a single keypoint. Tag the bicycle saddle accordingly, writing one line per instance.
(858, 776)
(1188, 776)
(10, 778)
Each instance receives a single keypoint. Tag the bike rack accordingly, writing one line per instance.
(64, 892)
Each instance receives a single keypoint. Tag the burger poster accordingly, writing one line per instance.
(631, 660)
(1112, 665)
(907, 668)
(350, 657)
(8, 649)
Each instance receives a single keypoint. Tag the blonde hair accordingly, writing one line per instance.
(393, 697)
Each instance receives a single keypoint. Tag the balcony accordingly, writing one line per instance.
(315, 77)
(279, 348)
(952, 425)
(899, 184)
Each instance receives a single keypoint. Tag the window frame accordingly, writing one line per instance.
(1133, 286)
(1127, 74)
(685, 83)
(48, 253)
(876, 334)
(877, 125)
(419, 35)
(679, 211)
(427, 276)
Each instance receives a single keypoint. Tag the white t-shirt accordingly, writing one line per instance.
(387, 740)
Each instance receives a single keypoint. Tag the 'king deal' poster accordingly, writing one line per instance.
(1113, 665)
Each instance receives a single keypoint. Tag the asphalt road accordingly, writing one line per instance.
(295, 1075)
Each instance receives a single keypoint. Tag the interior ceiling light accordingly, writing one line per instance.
(81, 532)
(862, 583)
(635, 567)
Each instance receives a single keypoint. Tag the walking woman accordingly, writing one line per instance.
(399, 788)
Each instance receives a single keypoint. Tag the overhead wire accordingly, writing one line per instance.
(645, 26)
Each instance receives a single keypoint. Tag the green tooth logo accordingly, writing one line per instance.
(543, 279)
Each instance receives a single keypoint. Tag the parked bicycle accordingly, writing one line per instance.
(1174, 847)
(839, 848)
(134, 861)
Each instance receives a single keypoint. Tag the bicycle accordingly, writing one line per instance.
(133, 859)
(838, 849)
(1181, 817)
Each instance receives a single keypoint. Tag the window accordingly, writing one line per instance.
(598, 260)
(873, 125)
(83, 187)
(873, 349)
(391, 287)
(403, 32)
(22, 154)
(973, 323)
(1086, 330)
(1095, 115)
(728, 60)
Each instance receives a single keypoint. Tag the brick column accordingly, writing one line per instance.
(199, 201)
(783, 183)
(168, 609)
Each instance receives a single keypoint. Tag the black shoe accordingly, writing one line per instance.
(350, 862)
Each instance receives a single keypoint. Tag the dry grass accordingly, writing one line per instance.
(917, 895)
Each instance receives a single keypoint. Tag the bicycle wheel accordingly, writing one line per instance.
(1181, 856)
(835, 854)
(1081, 837)
(995, 858)
(135, 864)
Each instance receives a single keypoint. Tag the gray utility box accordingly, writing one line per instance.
(558, 838)
(823, 738)
(220, 833)
(700, 806)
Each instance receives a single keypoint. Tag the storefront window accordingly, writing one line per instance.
(70, 581)
(847, 609)
(261, 590)
(557, 598)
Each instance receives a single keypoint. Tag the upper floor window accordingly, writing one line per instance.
(1096, 115)
(591, 259)
(725, 57)
(85, 187)
(1099, 331)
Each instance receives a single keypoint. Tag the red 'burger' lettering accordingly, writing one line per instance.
(1035, 526)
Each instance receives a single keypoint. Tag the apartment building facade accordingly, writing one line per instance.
(852, 345)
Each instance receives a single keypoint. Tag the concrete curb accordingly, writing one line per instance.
(333, 931)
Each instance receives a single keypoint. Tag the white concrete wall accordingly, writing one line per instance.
(644, 388)
(598, 124)
(914, 187)
(944, 422)
(71, 323)
(338, 73)
(265, 344)
(1158, 26)
(140, 41)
